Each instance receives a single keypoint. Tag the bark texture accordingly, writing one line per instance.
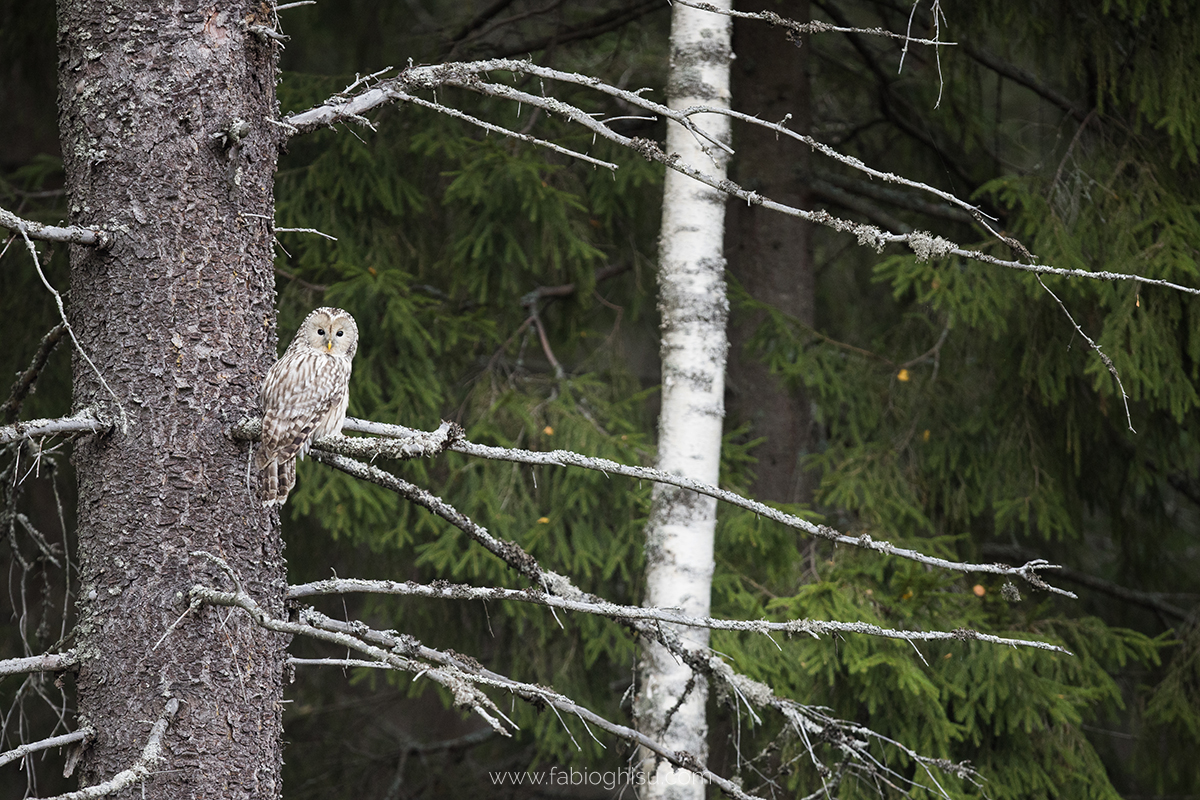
(178, 316)
(770, 254)
(693, 308)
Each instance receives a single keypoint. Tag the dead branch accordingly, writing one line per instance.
(53, 233)
(49, 662)
(450, 437)
(140, 770)
(86, 421)
(812, 627)
(466, 75)
(45, 744)
(25, 382)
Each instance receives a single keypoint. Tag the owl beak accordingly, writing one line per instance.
(329, 345)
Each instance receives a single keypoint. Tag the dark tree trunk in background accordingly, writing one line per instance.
(770, 254)
(178, 316)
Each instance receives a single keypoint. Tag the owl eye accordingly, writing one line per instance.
(339, 333)
(320, 331)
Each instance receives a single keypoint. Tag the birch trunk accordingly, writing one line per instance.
(178, 316)
(693, 307)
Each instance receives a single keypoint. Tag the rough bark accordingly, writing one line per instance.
(770, 254)
(693, 308)
(178, 316)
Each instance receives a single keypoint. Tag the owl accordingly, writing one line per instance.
(305, 397)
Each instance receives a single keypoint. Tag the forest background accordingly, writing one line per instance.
(945, 405)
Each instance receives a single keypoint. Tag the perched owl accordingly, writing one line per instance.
(305, 397)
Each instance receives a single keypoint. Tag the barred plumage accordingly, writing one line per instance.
(305, 396)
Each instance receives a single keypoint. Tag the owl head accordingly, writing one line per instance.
(329, 330)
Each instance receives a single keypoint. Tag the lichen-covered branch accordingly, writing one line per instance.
(414, 443)
(152, 753)
(616, 611)
(45, 744)
(86, 421)
(70, 234)
(49, 662)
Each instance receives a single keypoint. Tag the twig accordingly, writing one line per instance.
(23, 386)
(521, 137)
(337, 662)
(53, 233)
(62, 314)
(1103, 356)
(813, 26)
(45, 744)
(615, 611)
(140, 770)
(306, 230)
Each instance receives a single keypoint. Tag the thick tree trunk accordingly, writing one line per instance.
(770, 254)
(178, 317)
(693, 305)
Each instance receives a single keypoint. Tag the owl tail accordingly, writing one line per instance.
(277, 480)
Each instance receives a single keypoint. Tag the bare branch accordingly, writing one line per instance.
(49, 662)
(306, 230)
(45, 744)
(1030, 572)
(467, 75)
(53, 233)
(86, 421)
(24, 384)
(813, 26)
(1024, 78)
(62, 314)
(337, 662)
(411, 443)
(465, 694)
(616, 611)
(456, 673)
(1103, 356)
(140, 770)
(487, 126)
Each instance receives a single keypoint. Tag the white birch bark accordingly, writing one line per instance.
(693, 306)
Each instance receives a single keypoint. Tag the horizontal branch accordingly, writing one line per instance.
(812, 26)
(454, 440)
(616, 611)
(49, 662)
(53, 233)
(45, 744)
(86, 421)
(140, 770)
